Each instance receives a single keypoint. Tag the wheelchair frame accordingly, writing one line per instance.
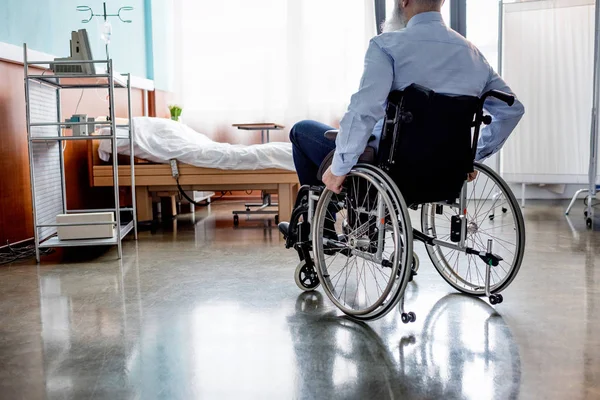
(303, 242)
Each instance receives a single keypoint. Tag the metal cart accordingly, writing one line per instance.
(46, 160)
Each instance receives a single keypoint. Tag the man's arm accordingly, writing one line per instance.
(504, 119)
(366, 108)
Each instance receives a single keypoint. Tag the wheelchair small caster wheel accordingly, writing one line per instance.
(277, 220)
(588, 222)
(409, 317)
(415, 264)
(504, 210)
(236, 220)
(585, 213)
(496, 299)
(306, 277)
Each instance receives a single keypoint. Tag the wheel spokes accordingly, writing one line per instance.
(358, 274)
(490, 214)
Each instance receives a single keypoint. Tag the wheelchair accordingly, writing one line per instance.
(359, 244)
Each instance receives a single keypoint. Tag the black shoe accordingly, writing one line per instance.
(284, 228)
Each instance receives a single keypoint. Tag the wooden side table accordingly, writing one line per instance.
(265, 127)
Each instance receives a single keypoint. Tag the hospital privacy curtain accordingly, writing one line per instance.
(548, 62)
(269, 60)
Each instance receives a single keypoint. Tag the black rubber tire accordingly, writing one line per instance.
(405, 318)
(402, 211)
(236, 220)
(412, 316)
(588, 222)
(314, 281)
(276, 219)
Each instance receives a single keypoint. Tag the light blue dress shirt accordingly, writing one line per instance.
(430, 54)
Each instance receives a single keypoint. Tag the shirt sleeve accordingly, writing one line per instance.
(367, 106)
(504, 119)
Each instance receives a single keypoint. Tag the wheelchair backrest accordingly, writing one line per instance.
(426, 143)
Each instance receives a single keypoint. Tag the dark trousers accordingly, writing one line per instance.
(310, 147)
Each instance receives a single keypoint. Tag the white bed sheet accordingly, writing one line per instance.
(160, 140)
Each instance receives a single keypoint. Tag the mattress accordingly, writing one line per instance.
(160, 140)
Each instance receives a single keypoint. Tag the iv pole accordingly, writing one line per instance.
(107, 26)
(106, 43)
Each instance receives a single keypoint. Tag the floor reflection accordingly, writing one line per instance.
(90, 328)
(214, 313)
(112, 343)
(211, 228)
(450, 357)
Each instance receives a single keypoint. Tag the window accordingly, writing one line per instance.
(269, 60)
(482, 28)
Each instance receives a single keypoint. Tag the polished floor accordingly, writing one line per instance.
(200, 310)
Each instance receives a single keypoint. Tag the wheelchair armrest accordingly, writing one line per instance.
(332, 135)
(368, 157)
(505, 97)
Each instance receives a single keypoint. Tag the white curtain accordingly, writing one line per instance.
(280, 61)
(548, 62)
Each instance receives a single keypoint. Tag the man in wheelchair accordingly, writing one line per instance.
(423, 90)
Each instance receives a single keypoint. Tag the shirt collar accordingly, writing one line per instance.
(430, 16)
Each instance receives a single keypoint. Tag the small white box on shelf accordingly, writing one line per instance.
(85, 231)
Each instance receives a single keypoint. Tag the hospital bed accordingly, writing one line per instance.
(153, 173)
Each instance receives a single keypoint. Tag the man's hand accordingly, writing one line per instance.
(333, 182)
(471, 176)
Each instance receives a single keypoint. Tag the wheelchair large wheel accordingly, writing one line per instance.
(362, 242)
(492, 213)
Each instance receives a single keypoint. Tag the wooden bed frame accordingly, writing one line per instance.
(156, 178)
